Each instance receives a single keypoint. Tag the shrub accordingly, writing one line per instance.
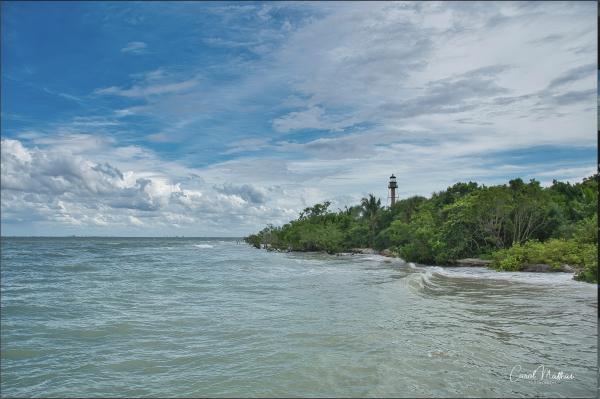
(554, 252)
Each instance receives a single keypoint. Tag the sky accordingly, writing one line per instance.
(214, 119)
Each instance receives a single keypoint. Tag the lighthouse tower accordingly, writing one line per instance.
(392, 187)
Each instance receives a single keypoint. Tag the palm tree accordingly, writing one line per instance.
(370, 209)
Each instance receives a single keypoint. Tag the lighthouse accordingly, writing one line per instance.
(392, 187)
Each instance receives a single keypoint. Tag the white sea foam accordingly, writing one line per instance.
(203, 246)
(522, 277)
(378, 258)
(426, 275)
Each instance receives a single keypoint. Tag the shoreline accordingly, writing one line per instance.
(461, 263)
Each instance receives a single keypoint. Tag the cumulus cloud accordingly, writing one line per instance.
(51, 184)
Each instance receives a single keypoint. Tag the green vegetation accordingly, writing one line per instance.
(513, 225)
(553, 252)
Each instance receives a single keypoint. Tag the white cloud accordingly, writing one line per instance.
(135, 221)
(63, 188)
(388, 63)
(134, 48)
(149, 89)
(310, 118)
(68, 185)
(432, 92)
(444, 67)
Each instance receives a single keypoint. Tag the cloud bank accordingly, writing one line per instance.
(224, 130)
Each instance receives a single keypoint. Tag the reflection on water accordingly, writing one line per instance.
(199, 317)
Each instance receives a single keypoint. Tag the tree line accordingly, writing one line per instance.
(513, 225)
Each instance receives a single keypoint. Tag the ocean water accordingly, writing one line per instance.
(212, 317)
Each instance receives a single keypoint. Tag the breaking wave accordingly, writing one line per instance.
(203, 246)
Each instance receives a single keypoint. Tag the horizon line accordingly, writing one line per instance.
(101, 236)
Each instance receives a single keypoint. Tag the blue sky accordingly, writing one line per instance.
(209, 118)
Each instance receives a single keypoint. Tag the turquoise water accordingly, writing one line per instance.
(210, 317)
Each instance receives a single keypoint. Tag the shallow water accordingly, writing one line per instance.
(210, 317)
